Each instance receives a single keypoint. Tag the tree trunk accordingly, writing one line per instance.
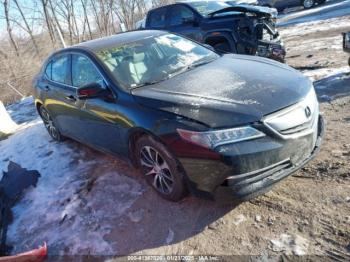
(30, 32)
(9, 29)
(83, 2)
(48, 22)
(58, 25)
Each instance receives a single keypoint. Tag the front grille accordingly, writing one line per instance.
(295, 129)
(252, 177)
(297, 119)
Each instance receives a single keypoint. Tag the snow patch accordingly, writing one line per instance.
(330, 43)
(239, 219)
(7, 126)
(136, 216)
(313, 27)
(290, 244)
(326, 11)
(77, 199)
(325, 72)
(170, 237)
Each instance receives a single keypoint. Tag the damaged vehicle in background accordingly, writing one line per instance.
(189, 118)
(281, 5)
(226, 26)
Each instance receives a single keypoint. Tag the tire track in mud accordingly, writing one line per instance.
(331, 234)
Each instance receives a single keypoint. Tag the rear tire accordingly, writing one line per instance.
(160, 168)
(50, 125)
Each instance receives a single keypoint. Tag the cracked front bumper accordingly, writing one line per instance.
(252, 184)
(250, 169)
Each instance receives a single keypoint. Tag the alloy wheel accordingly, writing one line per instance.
(308, 3)
(49, 124)
(157, 170)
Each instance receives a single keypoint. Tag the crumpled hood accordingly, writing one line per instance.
(247, 8)
(231, 91)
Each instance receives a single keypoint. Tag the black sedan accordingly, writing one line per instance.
(280, 5)
(189, 118)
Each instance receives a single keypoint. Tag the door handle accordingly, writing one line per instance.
(71, 98)
(47, 88)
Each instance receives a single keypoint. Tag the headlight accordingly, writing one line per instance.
(212, 139)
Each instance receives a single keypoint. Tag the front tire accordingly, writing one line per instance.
(160, 168)
(50, 125)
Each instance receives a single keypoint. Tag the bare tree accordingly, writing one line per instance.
(96, 15)
(56, 21)
(9, 28)
(48, 20)
(28, 29)
(156, 3)
(86, 17)
(7, 64)
(129, 11)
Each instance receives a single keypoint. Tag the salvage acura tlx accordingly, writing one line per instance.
(189, 118)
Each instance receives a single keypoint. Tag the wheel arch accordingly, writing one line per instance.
(135, 134)
(216, 37)
(38, 104)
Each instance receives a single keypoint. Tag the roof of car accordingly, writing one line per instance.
(118, 39)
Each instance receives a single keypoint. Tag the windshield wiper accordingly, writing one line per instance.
(148, 83)
(176, 72)
(199, 63)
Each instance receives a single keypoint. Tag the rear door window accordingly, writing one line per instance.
(157, 18)
(59, 71)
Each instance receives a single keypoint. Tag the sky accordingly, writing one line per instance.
(2, 22)
(29, 8)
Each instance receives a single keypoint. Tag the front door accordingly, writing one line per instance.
(98, 121)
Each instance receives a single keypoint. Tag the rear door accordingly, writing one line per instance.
(61, 100)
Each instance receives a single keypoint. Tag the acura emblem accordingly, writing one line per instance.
(307, 112)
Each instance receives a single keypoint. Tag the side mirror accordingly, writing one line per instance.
(92, 90)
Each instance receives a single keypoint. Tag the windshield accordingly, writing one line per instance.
(153, 59)
(207, 7)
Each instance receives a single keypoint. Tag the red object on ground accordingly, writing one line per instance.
(35, 255)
